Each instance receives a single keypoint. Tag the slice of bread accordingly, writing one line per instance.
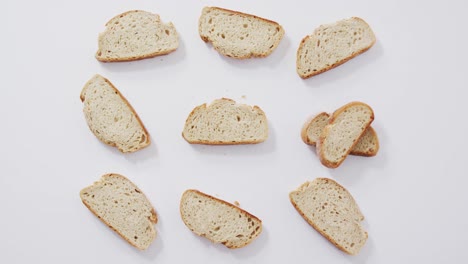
(332, 45)
(136, 35)
(218, 220)
(345, 127)
(224, 122)
(123, 207)
(238, 35)
(331, 210)
(312, 129)
(111, 117)
(368, 143)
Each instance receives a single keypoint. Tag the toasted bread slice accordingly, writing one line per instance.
(238, 35)
(332, 45)
(224, 122)
(111, 117)
(123, 207)
(136, 35)
(368, 144)
(218, 220)
(345, 127)
(331, 210)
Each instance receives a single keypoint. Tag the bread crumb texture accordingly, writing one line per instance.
(239, 35)
(217, 220)
(333, 44)
(123, 207)
(225, 122)
(135, 35)
(343, 131)
(330, 209)
(111, 118)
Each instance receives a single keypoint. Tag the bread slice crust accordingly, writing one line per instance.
(324, 139)
(239, 108)
(114, 22)
(153, 218)
(316, 124)
(300, 68)
(294, 195)
(231, 241)
(231, 54)
(109, 142)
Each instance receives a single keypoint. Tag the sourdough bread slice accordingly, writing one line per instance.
(224, 122)
(345, 127)
(239, 35)
(331, 210)
(313, 127)
(136, 35)
(333, 44)
(123, 207)
(368, 143)
(111, 117)
(218, 220)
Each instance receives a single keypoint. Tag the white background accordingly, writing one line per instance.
(413, 193)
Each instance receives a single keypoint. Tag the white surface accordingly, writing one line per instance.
(413, 193)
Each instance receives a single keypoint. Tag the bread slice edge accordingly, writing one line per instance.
(330, 125)
(153, 219)
(216, 143)
(82, 98)
(311, 223)
(251, 55)
(226, 203)
(353, 55)
(134, 58)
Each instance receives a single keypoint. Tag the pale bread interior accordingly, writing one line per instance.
(333, 44)
(239, 35)
(332, 211)
(217, 220)
(111, 118)
(367, 145)
(122, 206)
(136, 35)
(226, 122)
(346, 126)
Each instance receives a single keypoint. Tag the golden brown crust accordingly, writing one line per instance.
(148, 140)
(240, 210)
(325, 132)
(313, 224)
(153, 218)
(354, 54)
(207, 142)
(133, 58)
(251, 54)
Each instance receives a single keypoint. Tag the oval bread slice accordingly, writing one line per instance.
(368, 143)
(218, 220)
(331, 210)
(111, 117)
(343, 131)
(224, 122)
(239, 35)
(136, 35)
(123, 207)
(333, 44)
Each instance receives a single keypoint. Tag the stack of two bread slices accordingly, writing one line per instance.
(346, 131)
